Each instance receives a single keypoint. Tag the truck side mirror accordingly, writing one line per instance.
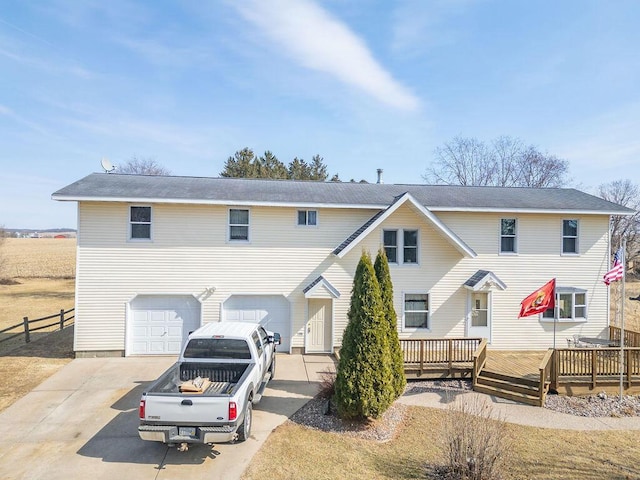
(275, 338)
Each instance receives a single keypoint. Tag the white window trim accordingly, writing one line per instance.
(131, 223)
(307, 225)
(564, 291)
(404, 328)
(577, 237)
(515, 237)
(400, 246)
(229, 225)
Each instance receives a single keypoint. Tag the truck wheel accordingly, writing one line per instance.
(244, 431)
(272, 368)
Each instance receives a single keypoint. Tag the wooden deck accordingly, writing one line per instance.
(523, 364)
(525, 376)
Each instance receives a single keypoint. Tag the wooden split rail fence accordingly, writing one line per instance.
(63, 319)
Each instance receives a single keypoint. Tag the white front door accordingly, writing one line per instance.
(318, 334)
(479, 323)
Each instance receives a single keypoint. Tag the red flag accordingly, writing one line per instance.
(540, 300)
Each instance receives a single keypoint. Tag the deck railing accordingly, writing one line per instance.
(545, 369)
(479, 359)
(438, 354)
(596, 365)
(631, 338)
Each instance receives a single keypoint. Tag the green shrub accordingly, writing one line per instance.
(383, 275)
(364, 379)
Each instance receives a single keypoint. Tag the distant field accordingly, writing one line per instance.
(38, 258)
(44, 272)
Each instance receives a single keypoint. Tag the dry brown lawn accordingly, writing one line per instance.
(295, 452)
(38, 258)
(26, 366)
(43, 269)
(631, 307)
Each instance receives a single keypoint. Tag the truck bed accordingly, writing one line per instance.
(224, 377)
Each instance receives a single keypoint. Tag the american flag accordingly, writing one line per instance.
(617, 271)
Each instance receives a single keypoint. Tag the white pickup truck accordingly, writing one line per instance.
(207, 396)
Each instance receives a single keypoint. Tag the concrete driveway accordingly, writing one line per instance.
(82, 423)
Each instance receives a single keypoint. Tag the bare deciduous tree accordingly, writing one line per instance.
(506, 162)
(143, 166)
(626, 193)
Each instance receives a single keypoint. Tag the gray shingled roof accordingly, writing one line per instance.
(119, 187)
(366, 225)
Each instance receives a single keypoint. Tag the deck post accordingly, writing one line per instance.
(450, 357)
(421, 356)
(25, 322)
(594, 367)
(628, 365)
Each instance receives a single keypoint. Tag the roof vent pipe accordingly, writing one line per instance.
(380, 176)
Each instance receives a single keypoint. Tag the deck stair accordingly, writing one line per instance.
(517, 389)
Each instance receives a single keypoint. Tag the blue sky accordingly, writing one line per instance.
(366, 84)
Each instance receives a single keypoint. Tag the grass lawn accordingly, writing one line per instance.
(296, 452)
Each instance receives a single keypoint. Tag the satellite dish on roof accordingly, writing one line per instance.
(107, 165)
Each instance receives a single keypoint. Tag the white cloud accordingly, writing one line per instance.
(319, 41)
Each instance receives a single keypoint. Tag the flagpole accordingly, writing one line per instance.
(555, 319)
(624, 254)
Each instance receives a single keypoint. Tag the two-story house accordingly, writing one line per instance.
(160, 255)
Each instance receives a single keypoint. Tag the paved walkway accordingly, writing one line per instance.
(520, 414)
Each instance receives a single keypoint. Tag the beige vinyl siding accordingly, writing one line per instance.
(190, 251)
(442, 272)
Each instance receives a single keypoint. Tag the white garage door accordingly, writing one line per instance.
(159, 324)
(271, 311)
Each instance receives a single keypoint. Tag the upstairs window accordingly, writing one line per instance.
(410, 247)
(571, 306)
(416, 311)
(390, 241)
(140, 223)
(508, 235)
(308, 217)
(570, 236)
(238, 224)
(405, 241)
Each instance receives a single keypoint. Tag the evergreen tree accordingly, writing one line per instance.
(383, 275)
(271, 167)
(299, 170)
(244, 164)
(364, 379)
(318, 169)
(241, 165)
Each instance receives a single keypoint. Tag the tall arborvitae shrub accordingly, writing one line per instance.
(383, 275)
(364, 380)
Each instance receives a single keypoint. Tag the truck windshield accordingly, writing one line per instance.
(217, 348)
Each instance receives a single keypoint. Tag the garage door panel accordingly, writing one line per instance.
(271, 311)
(157, 316)
(160, 324)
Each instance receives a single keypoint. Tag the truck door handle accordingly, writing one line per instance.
(187, 402)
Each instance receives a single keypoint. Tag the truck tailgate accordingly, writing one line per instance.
(187, 409)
